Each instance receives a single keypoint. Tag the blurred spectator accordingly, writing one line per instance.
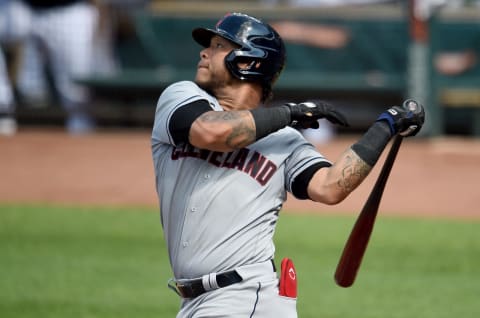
(321, 36)
(62, 36)
(58, 41)
(8, 125)
(14, 26)
(462, 59)
(115, 24)
(455, 63)
(115, 19)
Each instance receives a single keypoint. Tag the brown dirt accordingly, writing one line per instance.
(431, 177)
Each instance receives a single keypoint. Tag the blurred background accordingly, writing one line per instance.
(80, 233)
(98, 64)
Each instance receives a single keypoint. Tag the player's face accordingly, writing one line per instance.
(211, 70)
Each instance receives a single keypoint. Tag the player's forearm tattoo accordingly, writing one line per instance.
(354, 170)
(242, 133)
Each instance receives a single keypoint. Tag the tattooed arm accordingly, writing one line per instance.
(223, 131)
(333, 184)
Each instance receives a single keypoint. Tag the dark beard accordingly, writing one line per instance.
(210, 86)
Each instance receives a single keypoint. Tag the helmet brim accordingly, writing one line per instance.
(203, 36)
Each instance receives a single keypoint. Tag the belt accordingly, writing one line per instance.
(196, 287)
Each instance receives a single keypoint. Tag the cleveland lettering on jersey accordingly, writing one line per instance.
(248, 161)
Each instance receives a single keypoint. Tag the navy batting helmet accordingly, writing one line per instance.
(259, 44)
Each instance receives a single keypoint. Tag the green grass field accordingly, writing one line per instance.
(99, 262)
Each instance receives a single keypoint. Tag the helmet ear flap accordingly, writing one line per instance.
(248, 65)
(244, 67)
(241, 66)
(252, 71)
(230, 63)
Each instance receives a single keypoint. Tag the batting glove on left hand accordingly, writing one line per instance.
(306, 114)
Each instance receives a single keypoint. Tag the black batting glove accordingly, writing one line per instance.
(406, 120)
(306, 114)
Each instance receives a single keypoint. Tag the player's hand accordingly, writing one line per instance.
(306, 114)
(406, 120)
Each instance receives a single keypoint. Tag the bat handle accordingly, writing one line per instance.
(392, 154)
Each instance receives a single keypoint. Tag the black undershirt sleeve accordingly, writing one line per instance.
(183, 118)
(300, 184)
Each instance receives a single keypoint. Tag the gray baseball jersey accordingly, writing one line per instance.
(219, 210)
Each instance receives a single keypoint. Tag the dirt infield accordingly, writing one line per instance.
(431, 177)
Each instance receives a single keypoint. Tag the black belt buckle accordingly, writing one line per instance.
(191, 290)
(194, 288)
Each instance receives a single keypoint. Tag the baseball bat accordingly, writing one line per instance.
(357, 242)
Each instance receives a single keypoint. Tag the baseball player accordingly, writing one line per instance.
(224, 163)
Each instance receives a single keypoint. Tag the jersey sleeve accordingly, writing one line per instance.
(172, 98)
(304, 156)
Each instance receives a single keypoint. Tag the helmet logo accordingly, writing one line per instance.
(221, 20)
